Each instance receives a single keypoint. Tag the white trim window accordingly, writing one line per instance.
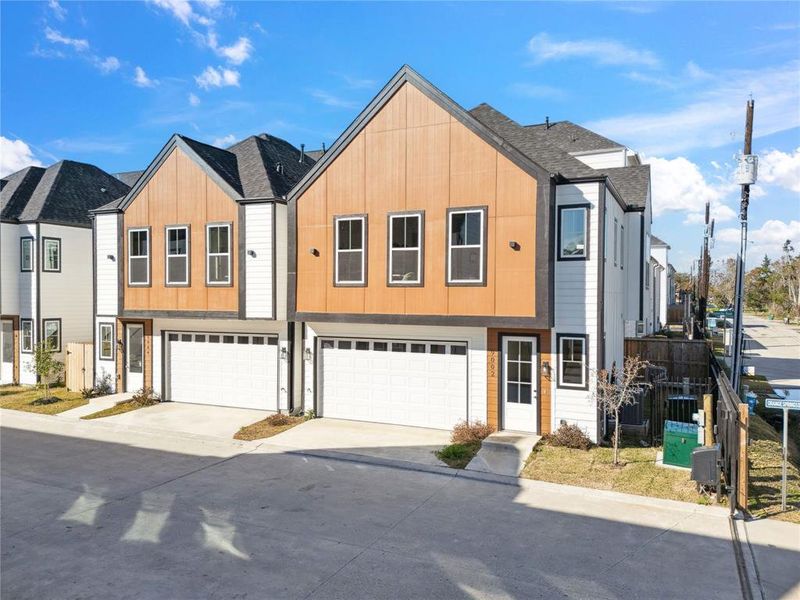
(350, 258)
(51, 254)
(177, 255)
(572, 359)
(26, 254)
(622, 247)
(572, 233)
(106, 341)
(466, 246)
(26, 326)
(52, 334)
(616, 241)
(139, 256)
(405, 249)
(218, 254)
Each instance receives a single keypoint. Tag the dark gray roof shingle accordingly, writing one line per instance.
(17, 189)
(632, 182)
(128, 177)
(571, 137)
(64, 192)
(657, 241)
(221, 161)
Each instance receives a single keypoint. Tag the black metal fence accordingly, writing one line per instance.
(728, 427)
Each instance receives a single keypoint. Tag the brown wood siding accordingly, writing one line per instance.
(413, 155)
(180, 193)
(494, 360)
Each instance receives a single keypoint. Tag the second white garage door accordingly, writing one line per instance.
(419, 383)
(222, 369)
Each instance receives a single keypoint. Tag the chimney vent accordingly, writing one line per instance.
(547, 122)
(323, 147)
(302, 152)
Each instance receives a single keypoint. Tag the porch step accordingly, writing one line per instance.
(504, 453)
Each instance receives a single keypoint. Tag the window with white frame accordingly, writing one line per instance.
(616, 241)
(26, 254)
(52, 334)
(572, 361)
(138, 257)
(26, 325)
(350, 255)
(177, 250)
(106, 341)
(218, 254)
(466, 246)
(51, 254)
(572, 232)
(622, 247)
(405, 249)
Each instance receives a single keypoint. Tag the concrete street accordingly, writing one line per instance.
(96, 510)
(774, 349)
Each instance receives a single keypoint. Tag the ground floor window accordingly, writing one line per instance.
(52, 334)
(27, 335)
(572, 361)
(106, 341)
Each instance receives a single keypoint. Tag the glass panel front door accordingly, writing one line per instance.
(134, 358)
(520, 366)
(7, 352)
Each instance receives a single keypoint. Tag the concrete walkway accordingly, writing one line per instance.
(504, 453)
(93, 510)
(396, 442)
(774, 349)
(95, 405)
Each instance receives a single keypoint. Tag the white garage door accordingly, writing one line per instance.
(223, 369)
(420, 383)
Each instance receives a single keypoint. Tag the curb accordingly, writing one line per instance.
(749, 577)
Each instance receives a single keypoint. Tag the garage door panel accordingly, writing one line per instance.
(222, 369)
(403, 382)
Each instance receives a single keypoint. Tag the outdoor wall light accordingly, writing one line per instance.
(284, 353)
(251, 253)
(546, 369)
(314, 252)
(307, 354)
(514, 245)
(111, 257)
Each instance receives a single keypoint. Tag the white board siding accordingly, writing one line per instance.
(614, 287)
(106, 278)
(105, 367)
(281, 260)
(603, 159)
(10, 274)
(575, 308)
(279, 328)
(475, 338)
(259, 261)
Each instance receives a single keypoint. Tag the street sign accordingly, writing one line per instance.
(782, 403)
(788, 402)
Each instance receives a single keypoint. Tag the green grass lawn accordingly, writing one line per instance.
(457, 456)
(593, 468)
(117, 409)
(27, 398)
(765, 456)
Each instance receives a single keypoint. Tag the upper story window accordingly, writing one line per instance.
(26, 325)
(466, 246)
(350, 257)
(51, 254)
(572, 361)
(405, 249)
(177, 251)
(616, 241)
(572, 232)
(218, 254)
(138, 257)
(26, 254)
(622, 247)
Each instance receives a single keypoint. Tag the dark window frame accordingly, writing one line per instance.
(484, 211)
(587, 222)
(100, 355)
(420, 214)
(188, 256)
(364, 247)
(128, 256)
(22, 241)
(560, 337)
(44, 332)
(45, 269)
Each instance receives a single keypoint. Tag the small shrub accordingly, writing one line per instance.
(87, 393)
(279, 420)
(102, 387)
(310, 414)
(465, 432)
(569, 436)
(458, 456)
(144, 397)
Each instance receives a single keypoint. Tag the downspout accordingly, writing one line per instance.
(601, 272)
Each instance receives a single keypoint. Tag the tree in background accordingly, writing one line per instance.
(722, 282)
(758, 286)
(785, 286)
(684, 283)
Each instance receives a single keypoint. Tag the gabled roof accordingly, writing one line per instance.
(128, 177)
(62, 193)
(408, 75)
(259, 167)
(633, 182)
(572, 138)
(657, 241)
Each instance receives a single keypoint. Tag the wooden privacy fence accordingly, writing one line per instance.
(680, 358)
(79, 366)
(676, 314)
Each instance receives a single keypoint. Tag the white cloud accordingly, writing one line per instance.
(534, 90)
(679, 186)
(713, 116)
(59, 12)
(224, 141)
(194, 100)
(543, 48)
(767, 239)
(180, 9)
(106, 65)
(236, 53)
(15, 155)
(140, 78)
(221, 77)
(357, 83)
(57, 38)
(780, 168)
(329, 99)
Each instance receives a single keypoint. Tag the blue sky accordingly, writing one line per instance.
(109, 82)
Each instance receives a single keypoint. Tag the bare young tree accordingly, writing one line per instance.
(619, 388)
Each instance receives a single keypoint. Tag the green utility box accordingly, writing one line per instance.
(679, 441)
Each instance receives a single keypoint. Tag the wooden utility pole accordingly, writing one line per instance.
(741, 258)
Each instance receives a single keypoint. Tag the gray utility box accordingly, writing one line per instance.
(705, 465)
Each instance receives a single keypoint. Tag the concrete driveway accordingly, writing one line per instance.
(774, 349)
(92, 510)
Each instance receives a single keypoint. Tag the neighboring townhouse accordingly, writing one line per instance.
(191, 282)
(450, 264)
(46, 276)
(665, 293)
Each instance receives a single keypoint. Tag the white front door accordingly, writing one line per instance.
(520, 365)
(134, 357)
(7, 352)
